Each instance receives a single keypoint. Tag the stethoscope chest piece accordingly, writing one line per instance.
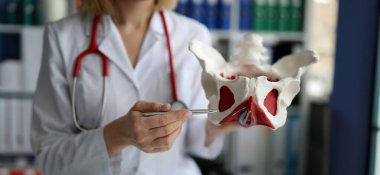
(177, 105)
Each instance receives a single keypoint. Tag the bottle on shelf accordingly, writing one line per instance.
(284, 15)
(54, 10)
(246, 15)
(30, 12)
(211, 13)
(296, 15)
(260, 15)
(225, 14)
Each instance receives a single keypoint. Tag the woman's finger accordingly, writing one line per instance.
(167, 141)
(166, 118)
(165, 130)
(144, 106)
(155, 150)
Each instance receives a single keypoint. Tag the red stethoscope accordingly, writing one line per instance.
(93, 49)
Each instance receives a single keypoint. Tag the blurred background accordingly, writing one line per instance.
(332, 125)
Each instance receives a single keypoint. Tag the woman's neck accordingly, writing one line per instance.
(133, 14)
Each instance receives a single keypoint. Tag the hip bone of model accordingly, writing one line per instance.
(248, 90)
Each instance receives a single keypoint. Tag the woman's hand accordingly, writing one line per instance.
(149, 134)
(213, 131)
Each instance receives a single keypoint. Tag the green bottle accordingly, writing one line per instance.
(284, 15)
(260, 15)
(273, 15)
(28, 12)
(11, 12)
(296, 16)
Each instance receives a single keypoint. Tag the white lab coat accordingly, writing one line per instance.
(61, 149)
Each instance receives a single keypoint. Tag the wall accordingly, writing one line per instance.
(351, 100)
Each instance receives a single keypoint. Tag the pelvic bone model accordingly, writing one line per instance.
(250, 93)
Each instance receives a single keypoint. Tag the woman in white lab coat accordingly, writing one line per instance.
(131, 35)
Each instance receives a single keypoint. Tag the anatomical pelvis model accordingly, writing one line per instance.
(249, 91)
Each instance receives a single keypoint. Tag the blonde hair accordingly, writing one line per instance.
(99, 7)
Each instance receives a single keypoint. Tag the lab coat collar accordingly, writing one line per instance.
(111, 44)
(102, 28)
(155, 33)
(155, 25)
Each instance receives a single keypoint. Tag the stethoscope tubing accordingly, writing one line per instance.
(73, 97)
(170, 54)
(93, 49)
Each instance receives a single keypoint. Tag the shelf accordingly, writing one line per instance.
(16, 160)
(15, 28)
(19, 171)
(215, 34)
(16, 95)
(267, 36)
(16, 154)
